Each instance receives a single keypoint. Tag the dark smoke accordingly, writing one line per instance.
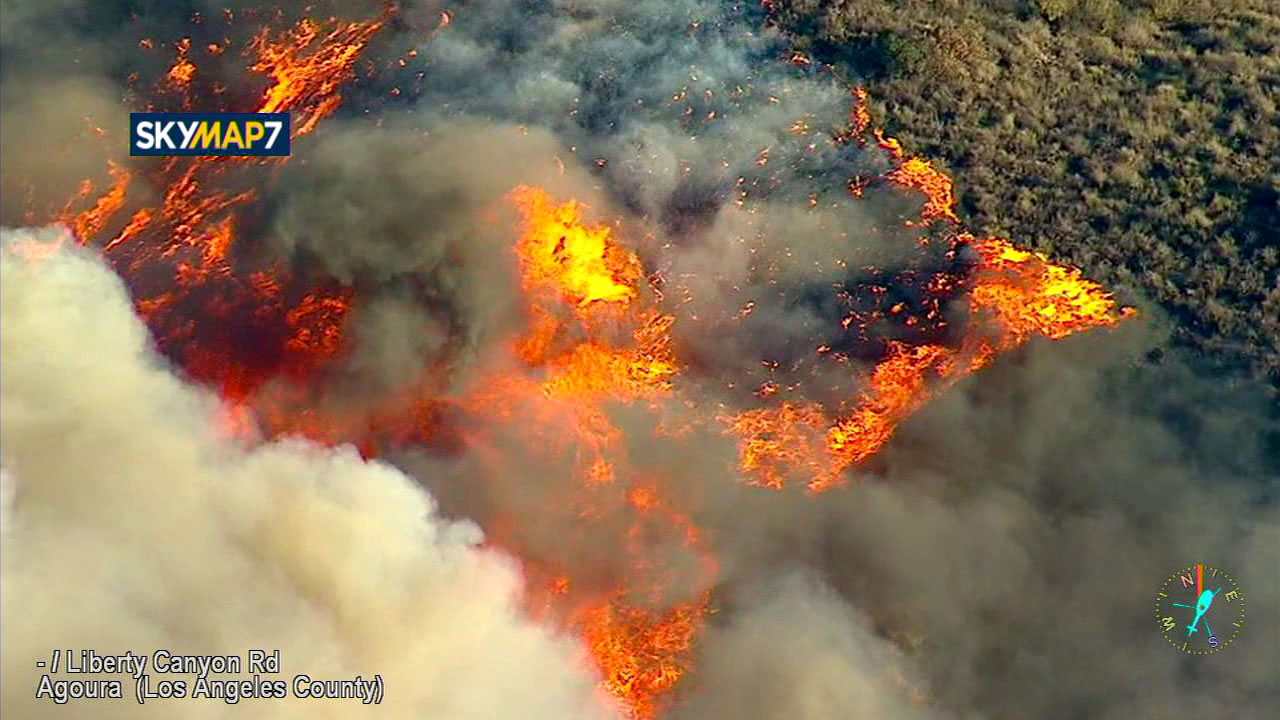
(1019, 526)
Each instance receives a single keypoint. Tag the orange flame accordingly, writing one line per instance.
(595, 338)
(641, 648)
(183, 70)
(582, 262)
(1021, 294)
(1025, 294)
(307, 66)
(643, 652)
(91, 222)
(185, 265)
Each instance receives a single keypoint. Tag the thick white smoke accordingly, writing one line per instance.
(133, 522)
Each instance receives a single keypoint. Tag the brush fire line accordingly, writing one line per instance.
(598, 335)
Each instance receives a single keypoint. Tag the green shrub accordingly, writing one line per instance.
(906, 55)
(1135, 156)
(1055, 10)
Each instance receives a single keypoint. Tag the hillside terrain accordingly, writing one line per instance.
(1136, 139)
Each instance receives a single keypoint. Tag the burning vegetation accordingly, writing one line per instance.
(599, 333)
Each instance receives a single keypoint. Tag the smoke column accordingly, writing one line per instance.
(131, 520)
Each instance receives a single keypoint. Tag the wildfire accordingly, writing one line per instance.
(89, 223)
(775, 441)
(581, 262)
(1016, 293)
(641, 646)
(1019, 293)
(178, 255)
(1027, 295)
(597, 336)
(566, 261)
(183, 70)
(307, 65)
(641, 642)
(644, 649)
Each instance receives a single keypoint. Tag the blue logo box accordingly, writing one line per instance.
(205, 134)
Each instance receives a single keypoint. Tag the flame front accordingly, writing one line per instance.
(597, 337)
(1014, 295)
(307, 65)
(584, 288)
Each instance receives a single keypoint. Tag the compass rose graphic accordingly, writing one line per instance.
(1200, 609)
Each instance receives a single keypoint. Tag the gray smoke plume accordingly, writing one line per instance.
(997, 560)
(1018, 528)
(132, 522)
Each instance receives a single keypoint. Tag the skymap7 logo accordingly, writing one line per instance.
(228, 134)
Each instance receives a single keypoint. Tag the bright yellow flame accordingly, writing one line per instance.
(580, 261)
